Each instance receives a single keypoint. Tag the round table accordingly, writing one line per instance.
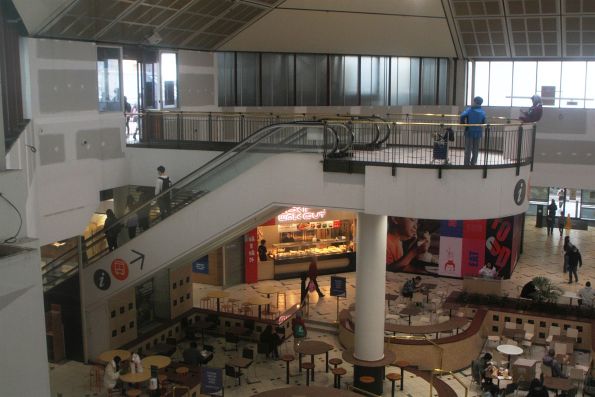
(307, 391)
(157, 361)
(109, 355)
(510, 350)
(136, 377)
(312, 348)
(259, 301)
(217, 294)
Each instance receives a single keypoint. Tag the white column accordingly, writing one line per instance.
(370, 285)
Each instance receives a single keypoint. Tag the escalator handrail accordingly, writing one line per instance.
(243, 146)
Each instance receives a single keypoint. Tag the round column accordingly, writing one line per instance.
(370, 287)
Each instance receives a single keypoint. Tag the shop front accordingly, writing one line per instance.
(296, 235)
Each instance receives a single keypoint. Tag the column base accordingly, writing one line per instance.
(373, 369)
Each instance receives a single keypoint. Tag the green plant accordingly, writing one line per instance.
(545, 290)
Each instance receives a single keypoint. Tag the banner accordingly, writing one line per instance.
(453, 248)
(251, 256)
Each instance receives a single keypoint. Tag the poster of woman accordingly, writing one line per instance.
(410, 246)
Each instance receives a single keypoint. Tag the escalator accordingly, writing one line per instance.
(295, 137)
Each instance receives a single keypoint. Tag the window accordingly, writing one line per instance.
(404, 81)
(374, 81)
(344, 80)
(169, 80)
(574, 76)
(248, 77)
(108, 79)
(482, 81)
(523, 82)
(500, 84)
(226, 78)
(277, 79)
(548, 83)
(311, 74)
(429, 76)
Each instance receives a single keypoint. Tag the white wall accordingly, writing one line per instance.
(22, 326)
(14, 189)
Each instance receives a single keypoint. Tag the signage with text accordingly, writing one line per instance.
(212, 380)
(201, 265)
(338, 286)
(301, 214)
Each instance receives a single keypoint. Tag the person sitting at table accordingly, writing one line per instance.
(272, 340)
(410, 287)
(537, 389)
(192, 355)
(528, 290)
(488, 271)
(549, 360)
(112, 373)
(586, 295)
(135, 363)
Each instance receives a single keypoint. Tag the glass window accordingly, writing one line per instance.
(470, 80)
(108, 79)
(344, 80)
(429, 70)
(248, 79)
(523, 82)
(277, 79)
(374, 81)
(500, 84)
(311, 73)
(169, 79)
(548, 83)
(573, 84)
(443, 82)
(590, 86)
(400, 81)
(226, 78)
(482, 81)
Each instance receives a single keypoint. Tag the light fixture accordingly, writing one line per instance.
(154, 39)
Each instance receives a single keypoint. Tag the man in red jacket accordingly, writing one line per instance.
(313, 273)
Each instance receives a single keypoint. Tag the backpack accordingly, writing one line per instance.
(165, 183)
(300, 331)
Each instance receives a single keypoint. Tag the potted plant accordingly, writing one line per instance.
(545, 290)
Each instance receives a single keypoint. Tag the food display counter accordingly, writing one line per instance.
(303, 249)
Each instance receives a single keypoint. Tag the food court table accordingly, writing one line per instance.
(510, 350)
(259, 301)
(571, 295)
(307, 391)
(136, 377)
(240, 363)
(410, 310)
(156, 361)
(558, 384)
(312, 348)
(217, 294)
(109, 355)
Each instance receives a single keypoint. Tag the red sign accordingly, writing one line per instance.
(251, 256)
(120, 269)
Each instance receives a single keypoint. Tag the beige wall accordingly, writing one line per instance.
(215, 276)
(122, 318)
(180, 290)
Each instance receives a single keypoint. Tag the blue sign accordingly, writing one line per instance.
(338, 286)
(212, 380)
(201, 265)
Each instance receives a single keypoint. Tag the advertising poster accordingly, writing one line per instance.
(474, 236)
(201, 265)
(251, 256)
(450, 256)
(453, 248)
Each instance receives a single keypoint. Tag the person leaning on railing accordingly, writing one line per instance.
(473, 115)
(534, 113)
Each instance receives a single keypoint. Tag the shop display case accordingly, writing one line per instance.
(305, 249)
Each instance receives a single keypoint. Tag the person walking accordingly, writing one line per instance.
(313, 274)
(111, 229)
(561, 223)
(574, 262)
(551, 217)
(132, 220)
(473, 115)
(162, 184)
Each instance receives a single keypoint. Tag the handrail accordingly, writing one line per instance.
(364, 392)
(441, 372)
(424, 338)
(176, 387)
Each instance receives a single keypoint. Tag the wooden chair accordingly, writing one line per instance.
(95, 378)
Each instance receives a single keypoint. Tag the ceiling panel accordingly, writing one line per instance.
(484, 37)
(430, 8)
(466, 8)
(535, 36)
(578, 6)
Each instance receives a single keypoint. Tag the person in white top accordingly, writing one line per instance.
(488, 271)
(586, 294)
(112, 373)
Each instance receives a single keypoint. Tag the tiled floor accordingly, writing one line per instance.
(542, 256)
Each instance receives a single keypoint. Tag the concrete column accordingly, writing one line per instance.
(2, 148)
(370, 287)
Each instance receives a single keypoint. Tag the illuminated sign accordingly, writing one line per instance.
(300, 214)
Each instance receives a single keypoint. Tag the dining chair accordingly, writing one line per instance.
(554, 330)
(233, 373)
(572, 333)
(577, 375)
(560, 349)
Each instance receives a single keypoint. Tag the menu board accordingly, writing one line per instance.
(338, 286)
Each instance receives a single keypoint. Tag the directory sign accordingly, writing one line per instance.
(338, 286)
(212, 380)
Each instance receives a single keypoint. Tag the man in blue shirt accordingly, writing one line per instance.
(473, 115)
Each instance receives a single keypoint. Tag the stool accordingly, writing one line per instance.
(402, 364)
(287, 358)
(367, 380)
(133, 392)
(335, 361)
(284, 299)
(162, 378)
(393, 377)
(338, 372)
(183, 371)
(95, 378)
(308, 367)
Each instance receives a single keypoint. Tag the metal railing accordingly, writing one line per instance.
(421, 338)
(362, 391)
(439, 372)
(305, 136)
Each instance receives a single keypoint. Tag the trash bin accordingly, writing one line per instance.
(540, 220)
